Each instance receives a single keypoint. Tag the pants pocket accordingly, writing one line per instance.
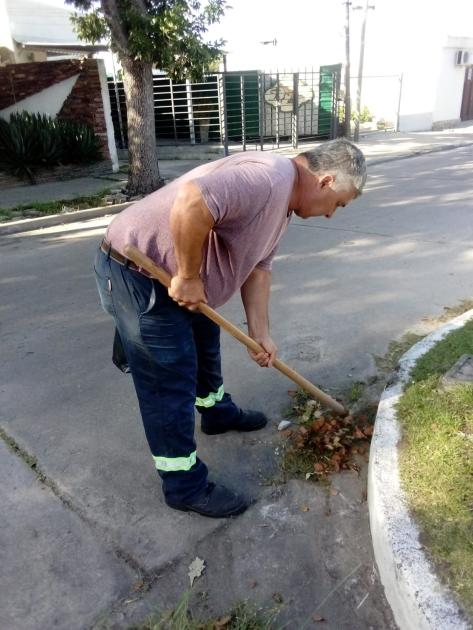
(104, 282)
(143, 291)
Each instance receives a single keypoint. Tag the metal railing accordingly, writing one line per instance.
(239, 109)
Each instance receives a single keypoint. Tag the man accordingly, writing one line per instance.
(215, 230)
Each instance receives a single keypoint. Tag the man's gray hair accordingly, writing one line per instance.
(342, 159)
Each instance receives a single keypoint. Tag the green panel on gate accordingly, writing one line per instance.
(329, 85)
(234, 105)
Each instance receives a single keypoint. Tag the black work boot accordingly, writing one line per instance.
(226, 416)
(243, 421)
(215, 501)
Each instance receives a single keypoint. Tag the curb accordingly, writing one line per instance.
(416, 597)
(418, 153)
(25, 225)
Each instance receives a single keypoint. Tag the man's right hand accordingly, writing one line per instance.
(188, 292)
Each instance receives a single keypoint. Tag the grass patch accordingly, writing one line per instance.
(243, 617)
(54, 207)
(443, 355)
(436, 462)
(355, 392)
(396, 349)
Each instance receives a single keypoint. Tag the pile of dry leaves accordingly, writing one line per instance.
(322, 442)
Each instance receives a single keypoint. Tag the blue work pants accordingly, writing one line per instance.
(174, 359)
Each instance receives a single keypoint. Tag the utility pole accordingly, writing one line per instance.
(347, 71)
(360, 70)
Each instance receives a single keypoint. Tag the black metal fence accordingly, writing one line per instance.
(239, 109)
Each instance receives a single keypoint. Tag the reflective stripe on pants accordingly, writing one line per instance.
(211, 399)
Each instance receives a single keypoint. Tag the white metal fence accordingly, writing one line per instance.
(240, 108)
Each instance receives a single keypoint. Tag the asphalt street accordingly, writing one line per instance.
(76, 544)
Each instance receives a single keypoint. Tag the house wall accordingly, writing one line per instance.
(5, 34)
(85, 101)
(447, 105)
(419, 88)
(448, 99)
(432, 86)
(20, 81)
(48, 101)
(70, 89)
(24, 55)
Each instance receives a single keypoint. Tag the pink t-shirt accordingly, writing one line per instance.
(248, 196)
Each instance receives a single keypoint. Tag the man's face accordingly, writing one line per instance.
(319, 197)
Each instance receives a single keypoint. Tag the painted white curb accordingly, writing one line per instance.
(417, 599)
(50, 220)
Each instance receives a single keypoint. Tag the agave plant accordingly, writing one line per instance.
(32, 141)
(19, 150)
(80, 144)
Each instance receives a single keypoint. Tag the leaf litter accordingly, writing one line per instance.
(320, 442)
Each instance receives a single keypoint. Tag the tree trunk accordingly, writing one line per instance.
(143, 172)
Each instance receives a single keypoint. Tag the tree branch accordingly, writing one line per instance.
(115, 24)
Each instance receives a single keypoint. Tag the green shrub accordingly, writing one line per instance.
(29, 142)
(79, 143)
(365, 115)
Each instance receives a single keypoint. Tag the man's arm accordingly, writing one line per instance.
(190, 223)
(255, 297)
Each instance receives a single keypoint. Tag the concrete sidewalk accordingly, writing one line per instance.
(82, 186)
(383, 147)
(378, 147)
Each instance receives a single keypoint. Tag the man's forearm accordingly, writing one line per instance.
(255, 297)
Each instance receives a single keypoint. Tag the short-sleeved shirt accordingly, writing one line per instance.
(248, 196)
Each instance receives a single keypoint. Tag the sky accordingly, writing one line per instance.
(311, 33)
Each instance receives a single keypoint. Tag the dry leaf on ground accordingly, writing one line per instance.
(196, 568)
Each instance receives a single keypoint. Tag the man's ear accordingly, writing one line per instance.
(326, 180)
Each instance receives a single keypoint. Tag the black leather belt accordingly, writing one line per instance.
(107, 248)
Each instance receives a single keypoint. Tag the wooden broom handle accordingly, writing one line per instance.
(144, 262)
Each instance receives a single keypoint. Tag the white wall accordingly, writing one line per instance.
(419, 85)
(49, 101)
(448, 99)
(5, 35)
(449, 95)
(417, 100)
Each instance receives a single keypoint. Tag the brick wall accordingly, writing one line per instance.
(84, 103)
(18, 81)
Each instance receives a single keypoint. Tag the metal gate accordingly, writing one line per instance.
(240, 109)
